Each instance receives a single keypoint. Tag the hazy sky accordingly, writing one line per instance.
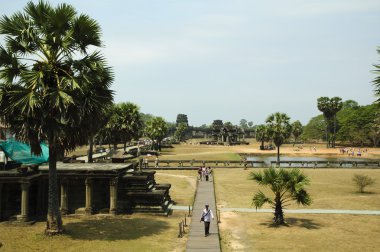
(235, 59)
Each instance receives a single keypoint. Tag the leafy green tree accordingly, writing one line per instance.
(279, 129)
(43, 83)
(182, 118)
(243, 124)
(350, 104)
(250, 124)
(217, 125)
(286, 185)
(358, 125)
(297, 130)
(180, 131)
(315, 128)
(156, 129)
(262, 135)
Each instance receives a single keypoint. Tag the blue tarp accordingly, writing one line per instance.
(21, 152)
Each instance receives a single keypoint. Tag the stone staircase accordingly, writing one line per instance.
(139, 192)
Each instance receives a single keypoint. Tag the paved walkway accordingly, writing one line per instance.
(197, 240)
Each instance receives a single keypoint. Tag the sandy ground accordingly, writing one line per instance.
(288, 149)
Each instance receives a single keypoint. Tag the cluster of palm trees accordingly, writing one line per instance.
(330, 107)
(278, 129)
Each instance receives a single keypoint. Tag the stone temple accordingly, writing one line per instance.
(83, 188)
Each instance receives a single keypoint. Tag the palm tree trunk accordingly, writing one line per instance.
(333, 141)
(327, 134)
(278, 212)
(90, 149)
(54, 220)
(278, 156)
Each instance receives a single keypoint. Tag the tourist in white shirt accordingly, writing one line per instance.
(206, 218)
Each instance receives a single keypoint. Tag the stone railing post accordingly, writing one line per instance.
(113, 195)
(24, 201)
(88, 208)
(64, 200)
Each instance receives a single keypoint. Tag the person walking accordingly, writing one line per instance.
(207, 173)
(200, 173)
(206, 217)
(203, 173)
(156, 162)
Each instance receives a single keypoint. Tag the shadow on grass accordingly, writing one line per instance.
(364, 193)
(114, 229)
(299, 222)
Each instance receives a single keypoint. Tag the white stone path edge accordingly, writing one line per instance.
(296, 211)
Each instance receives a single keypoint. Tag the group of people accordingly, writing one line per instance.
(204, 173)
(351, 151)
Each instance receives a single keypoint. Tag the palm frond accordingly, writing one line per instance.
(259, 199)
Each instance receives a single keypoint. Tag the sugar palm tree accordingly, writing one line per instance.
(376, 81)
(261, 135)
(329, 108)
(286, 185)
(130, 122)
(336, 105)
(296, 130)
(95, 79)
(156, 129)
(42, 87)
(279, 129)
(323, 104)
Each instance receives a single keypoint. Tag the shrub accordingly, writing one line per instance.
(362, 181)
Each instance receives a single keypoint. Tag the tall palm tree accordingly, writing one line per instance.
(323, 104)
(130, 122)
(329, 108)
(376, 81)
(95, 79)
(42, 89)
(336, 105)
(296, 130)
(279, 129)
(156, 129)
(261, 135)
(286, 185)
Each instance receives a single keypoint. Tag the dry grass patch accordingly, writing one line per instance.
(311, 232)
(329, 189)
(135, 232)
(200, 152)
(183, 185)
